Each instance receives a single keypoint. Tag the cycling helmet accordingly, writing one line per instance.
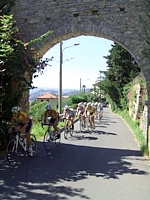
(48, 106)
(15, 109)
(92, 104)
(79, 104)
(85, 103)
(66, 107)
(89, 104)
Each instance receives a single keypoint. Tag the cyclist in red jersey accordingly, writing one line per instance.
(24, 124)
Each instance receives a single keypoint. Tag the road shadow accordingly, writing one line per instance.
(39, 177)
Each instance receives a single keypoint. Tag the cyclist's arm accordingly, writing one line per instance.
(11, 124)
(45, 116)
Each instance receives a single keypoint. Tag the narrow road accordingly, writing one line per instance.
(104, 165)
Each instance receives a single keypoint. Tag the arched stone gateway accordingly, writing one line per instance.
(117, 20)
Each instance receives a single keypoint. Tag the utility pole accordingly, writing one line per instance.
(60, 77)
(60, 81)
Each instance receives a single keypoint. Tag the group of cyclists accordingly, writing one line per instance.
(84, 110)
(90, 110)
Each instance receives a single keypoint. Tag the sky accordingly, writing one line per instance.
(80, 63)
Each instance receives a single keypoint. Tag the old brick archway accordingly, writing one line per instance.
(117, 20)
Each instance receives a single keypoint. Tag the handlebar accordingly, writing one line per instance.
(50, 124)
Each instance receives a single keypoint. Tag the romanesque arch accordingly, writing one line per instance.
(117, 20)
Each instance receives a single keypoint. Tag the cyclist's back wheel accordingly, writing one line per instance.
(89, 127)
(34, 145)
(12, 152)
(71, 132)
(66, 132)
(83, 125)
(47, 141)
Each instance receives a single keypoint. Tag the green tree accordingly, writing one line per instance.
(121, 70)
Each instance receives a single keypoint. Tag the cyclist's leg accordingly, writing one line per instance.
(28, 136)
(18, 126)
(57, 130)
(72, 122)
(55, 125)
(93, 121)
(28, 133)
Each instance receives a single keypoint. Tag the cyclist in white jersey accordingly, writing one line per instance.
(69, 113)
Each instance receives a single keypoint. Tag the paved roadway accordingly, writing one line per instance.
(104, 165)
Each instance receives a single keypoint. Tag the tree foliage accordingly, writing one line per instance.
(17, 65)
(122, 69)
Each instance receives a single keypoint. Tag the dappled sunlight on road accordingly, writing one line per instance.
(66, 172)
(40, 177)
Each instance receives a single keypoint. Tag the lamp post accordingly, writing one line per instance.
(60, 76)
(101, 72)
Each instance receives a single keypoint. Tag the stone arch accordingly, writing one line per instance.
(116, 20)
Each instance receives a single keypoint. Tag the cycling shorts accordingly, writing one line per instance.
(69, 115)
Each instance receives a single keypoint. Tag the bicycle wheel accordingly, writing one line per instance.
(66, 132)
(89, 126)
(81, 125)
(71, 131)
(47, 141)
(34, 145)
(12, 152)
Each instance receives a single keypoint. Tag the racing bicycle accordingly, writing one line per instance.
(18, 147)
(50, 137)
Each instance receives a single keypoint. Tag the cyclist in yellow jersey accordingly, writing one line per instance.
(24, 124)
(90, 111)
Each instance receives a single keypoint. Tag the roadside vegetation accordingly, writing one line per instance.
(134, 126)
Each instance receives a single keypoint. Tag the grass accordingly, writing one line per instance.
(136, 130)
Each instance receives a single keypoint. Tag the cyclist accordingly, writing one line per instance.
(54, 118)
(80, 111)
(24, 124)
(69, 113)
(89, 112)
(100, 110)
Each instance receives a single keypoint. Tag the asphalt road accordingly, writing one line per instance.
(104, 165)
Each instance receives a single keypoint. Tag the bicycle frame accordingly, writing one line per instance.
(15, 147)
(22, 142)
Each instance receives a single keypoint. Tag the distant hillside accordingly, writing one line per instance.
(34, 93)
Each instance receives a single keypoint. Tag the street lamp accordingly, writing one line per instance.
(101, 72)
(60, 76)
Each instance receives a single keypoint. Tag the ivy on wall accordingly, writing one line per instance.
(17, 65)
